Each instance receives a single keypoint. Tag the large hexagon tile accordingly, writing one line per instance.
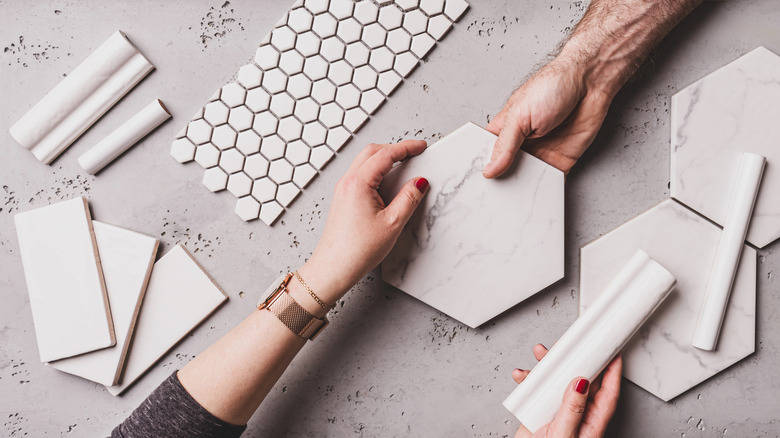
(456, 254)
(314, 81)
(735, 109)
(660, 358)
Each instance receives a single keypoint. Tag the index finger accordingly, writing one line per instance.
(379, 164)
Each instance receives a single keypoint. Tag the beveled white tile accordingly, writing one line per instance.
(65, 284)
(354, 119)
(357, 54)
(290, 129)
(349, 30)
(264, 190)
(316, 6)
(366, 12)
(215, 179)
(280, 171)
(232, 95)
(732, 110)
(320, 156)
(337, 137)
(297, 153)
(300, 20)
(438, 26)
(660, 359)
(265, 123)
(303, 175)
(405, 63)
(390, 17)
(258, 100)
(247, 208)
(216, 113)
(332, 49)
(314, 133)
(399, 40)
(323, 91)
(432, 7)
(274, 80)
(371, 100)
(178, 287)
(224, 137)
(126, 259)
(272, 147)
(240, 118)
(307, 110)
(266, 57)
(291, 62)
(308, 44)
(231, 161)
(348, 96)
(407, 5)
(422, 44)
(340, 72)
(325, 25)
(315, 67)
(286, 193)
(270, 211)
(250, 76)
(415, 22)
(374, 35)
(331, 115)
(453, 9)
(382, 59)
(199, 131)
(239, 184)
(207, 155)
(256, 166)
(341, 9)
(365, 78)
(248, 142)
(283, 38)
(183, 150)
(282, 105)
(388, 82)
(446, 247)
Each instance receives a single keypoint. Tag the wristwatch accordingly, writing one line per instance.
(277, 299)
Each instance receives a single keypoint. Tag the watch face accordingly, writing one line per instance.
(271, 289)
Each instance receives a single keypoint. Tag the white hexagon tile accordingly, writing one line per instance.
(732, 110)
(660, 357)
(457, 258)
(314, 81)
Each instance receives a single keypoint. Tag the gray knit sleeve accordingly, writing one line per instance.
(170, 411)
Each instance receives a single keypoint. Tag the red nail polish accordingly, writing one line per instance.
(421, 184)
(581, 386)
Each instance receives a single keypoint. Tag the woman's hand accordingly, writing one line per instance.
(361, 230)
(586, 409)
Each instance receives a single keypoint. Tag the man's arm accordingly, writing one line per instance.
(557, 113)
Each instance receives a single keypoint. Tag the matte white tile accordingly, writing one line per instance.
(365, 78)
(349, 30)
(340, 72)
(240, 118)
(316, 6)
(282, 105)
(216, 113)
(332, 49)
(248, 142)
(299, 86)
(224, 137)
(258, 100)
(231, 160)
(388, 82)
(337, 137)
(256, 166)
(438, 26)
(272, 147)
(453, 9)
(390, 17)
(199, 131)
(399, 41)
(280, 171)
(180, 295)
(348, 96)
(314, 133)
(323, 91)
(247, 208)
(453, 239)
(660, 359)
(315, 67)
(215, 179)
(366, 12)
(357, 54)
(297, 153)
(286, 193)
(407, 5)
(283, 38)
(265, 123)
(422, 44)
(183, 150)
(291, 62)
(354, 119)
(341, 9)
(325, 25)
(382, 59)
(374, 35)
(405, 63)
(300, 20)
(432, 7)
(267, 57)
(415, 22)
(270, 211)
(126, 258)
(250, 76)
(233, 94)
(207, 155)
(239, 184)
(307, 110)
(64, 280)
(290, 129)
(331, 115)
(371, 100)
(732, 110)
(303, 175)
(264, 190)
(320, 156)
(274, 81)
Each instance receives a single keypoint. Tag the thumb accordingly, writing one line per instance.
(567, 421)
(406, 201)
(509, 141)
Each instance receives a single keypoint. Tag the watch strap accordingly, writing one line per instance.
(295, 317)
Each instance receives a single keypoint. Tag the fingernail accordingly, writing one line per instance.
(489, 166)
(421, 184)
(581, 386)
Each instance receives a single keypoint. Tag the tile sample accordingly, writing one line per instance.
(314, 81)
(455, 238)
(124, 137)
(735, 109)
(127, 258)
(81, 98)
(743, 196)
(64, 280)
(180, 295)
(661, 359)
(593, 340)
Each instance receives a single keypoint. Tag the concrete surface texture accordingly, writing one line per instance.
(388, 365)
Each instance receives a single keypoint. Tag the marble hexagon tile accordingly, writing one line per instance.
(476, 247)
(313, 82)
(660, 357)
(732, 110)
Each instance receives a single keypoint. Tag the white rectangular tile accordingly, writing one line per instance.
(126, 258)
(64, 280)
(180, 296)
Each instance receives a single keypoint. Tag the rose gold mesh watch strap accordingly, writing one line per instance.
(295, 317)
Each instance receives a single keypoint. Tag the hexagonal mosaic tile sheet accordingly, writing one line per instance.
(313, 82)
(660, 357)
(455, 254)
(732, 110)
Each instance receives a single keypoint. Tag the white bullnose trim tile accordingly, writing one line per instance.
(180, 295)
(593, 340)
(452, 240)
(80, 99)
(127, 258)
(68, 299)
(324, 68)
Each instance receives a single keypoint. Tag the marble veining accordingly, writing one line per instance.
(660, 358)
(735, 109)
(476, 247)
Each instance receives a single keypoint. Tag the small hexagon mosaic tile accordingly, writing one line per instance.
(313, 82)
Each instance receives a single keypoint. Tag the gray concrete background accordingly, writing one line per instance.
(388, 365)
